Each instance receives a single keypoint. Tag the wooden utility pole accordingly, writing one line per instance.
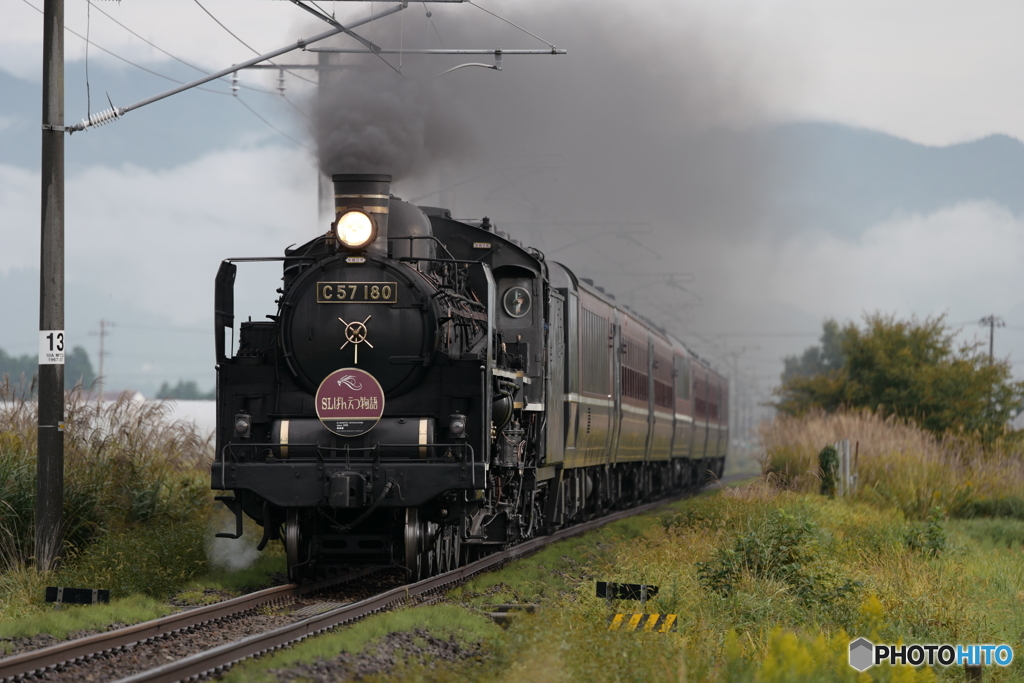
(993, 322)
(101, 378)
(50, 457)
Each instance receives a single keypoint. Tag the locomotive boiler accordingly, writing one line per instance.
(428, 390)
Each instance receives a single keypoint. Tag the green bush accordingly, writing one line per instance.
(124, 463)
(154, 559)
(928, 536)
(777, 547)
(828, 463)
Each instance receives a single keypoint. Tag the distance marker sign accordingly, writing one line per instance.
(51, 347)
(349, 402)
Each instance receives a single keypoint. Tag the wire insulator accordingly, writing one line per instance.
(234, 83)
(99, 118)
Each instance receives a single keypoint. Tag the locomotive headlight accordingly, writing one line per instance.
(354, 229)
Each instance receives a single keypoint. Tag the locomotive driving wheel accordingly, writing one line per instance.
(431, 545)
(456, 548)
(414, 543)
(292, 541)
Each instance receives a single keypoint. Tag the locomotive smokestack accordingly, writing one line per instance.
(369, 193)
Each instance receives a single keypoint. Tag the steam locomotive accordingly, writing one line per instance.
(429, 390)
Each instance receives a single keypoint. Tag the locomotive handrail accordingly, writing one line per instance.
(254, 259)
(418, 237)
(416, 259)
(229, 447)
(346, 448)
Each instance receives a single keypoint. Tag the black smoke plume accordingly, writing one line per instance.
(629, 159)
(369, 121)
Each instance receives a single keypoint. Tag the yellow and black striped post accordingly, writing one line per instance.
(655, 623)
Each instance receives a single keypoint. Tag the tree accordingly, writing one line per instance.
(77, 368)
(18, 369)
(906, 368)
(184, 391)
(817, 360)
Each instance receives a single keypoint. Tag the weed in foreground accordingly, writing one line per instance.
(125, 464)
(901, 466)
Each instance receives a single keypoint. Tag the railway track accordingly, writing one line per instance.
(29, 664)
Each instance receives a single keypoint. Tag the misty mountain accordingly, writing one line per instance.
(844, 180)
(782, 180)
(163, 135)
(142, 349)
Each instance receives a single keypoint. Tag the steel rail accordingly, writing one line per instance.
(48, 658)
(27, 664)
(222, 657)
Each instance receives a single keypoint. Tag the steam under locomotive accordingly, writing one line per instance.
(429, 390)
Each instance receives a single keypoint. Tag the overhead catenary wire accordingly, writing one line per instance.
(369, 44)
(88, 30)
(430, 19)
(272, 126)
(250, 47)
(165, 52)
(174, 80)
(146, 41)
(498, 16)
(177, 330)
(117, 112)
(125, 60)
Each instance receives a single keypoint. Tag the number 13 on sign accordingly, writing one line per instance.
(51, 347)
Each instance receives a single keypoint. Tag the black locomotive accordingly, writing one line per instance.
(429, 389)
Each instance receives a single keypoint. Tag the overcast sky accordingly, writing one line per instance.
(935, 72)
(932, 71)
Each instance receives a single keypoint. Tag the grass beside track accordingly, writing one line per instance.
(139, 519)
(770, 581)
(768, 586)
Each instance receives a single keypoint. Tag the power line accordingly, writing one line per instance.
(200, 70)
(430, 18)
(126, 61)
(88, 29)
(272, 126)
(174, 80)
(102, 334)
(147, 42)
(180, 330)
(767, 334)
(551, 45)
(254, 50)
(993, 322)
(374, 49)
(174, 57)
